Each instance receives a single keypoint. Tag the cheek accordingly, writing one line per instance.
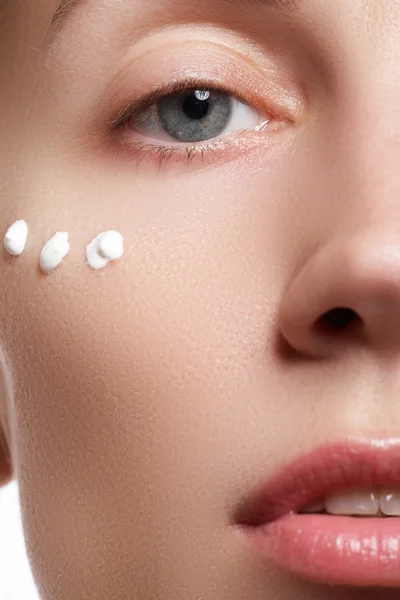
(184, 318)
(202, 268)
(190, 292)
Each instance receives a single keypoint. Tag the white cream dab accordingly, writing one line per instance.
(15, 238)
(106, 247)
(54, 252)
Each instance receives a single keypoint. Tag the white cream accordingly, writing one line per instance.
(54, 252)
(106, 247)
(15, 238)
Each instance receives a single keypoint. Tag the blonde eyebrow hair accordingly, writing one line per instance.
(64, 7)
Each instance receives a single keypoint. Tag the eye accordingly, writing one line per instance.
(194, 115)
(187, 119)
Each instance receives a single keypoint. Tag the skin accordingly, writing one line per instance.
(148, 399)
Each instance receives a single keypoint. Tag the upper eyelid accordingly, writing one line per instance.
(266, 84)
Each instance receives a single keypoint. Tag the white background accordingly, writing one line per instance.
(16, 581)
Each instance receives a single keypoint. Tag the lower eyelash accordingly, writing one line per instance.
(162, 154)
(165, 153)
(146, 151)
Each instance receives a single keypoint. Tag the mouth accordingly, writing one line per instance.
(331, 516)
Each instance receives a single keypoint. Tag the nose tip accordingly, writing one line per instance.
(347, 292)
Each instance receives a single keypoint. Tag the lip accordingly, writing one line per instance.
(324, 548)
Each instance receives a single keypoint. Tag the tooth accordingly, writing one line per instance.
(390, 502)
(356, 501)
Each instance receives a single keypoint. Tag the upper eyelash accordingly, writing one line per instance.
(137, 108)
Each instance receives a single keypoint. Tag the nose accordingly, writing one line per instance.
(348, 292)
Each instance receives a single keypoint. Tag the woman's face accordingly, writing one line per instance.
(150, 397)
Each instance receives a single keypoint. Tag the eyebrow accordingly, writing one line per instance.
(64, 8)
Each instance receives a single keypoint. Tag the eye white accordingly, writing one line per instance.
(242, 117)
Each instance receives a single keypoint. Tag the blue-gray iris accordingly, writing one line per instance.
(195, 115)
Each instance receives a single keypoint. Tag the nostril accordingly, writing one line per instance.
(337, 319)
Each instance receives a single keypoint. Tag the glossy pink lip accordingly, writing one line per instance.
(326, 548)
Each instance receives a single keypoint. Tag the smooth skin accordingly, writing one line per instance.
(141, 403)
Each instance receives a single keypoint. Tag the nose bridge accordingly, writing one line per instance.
(365, 148)
(369, 116)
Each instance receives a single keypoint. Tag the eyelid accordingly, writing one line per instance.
(261, 56)
(269, 90)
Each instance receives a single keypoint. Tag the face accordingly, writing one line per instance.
(248, 155)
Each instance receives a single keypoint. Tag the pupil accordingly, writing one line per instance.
(196, 105)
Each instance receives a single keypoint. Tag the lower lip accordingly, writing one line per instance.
(332, 549)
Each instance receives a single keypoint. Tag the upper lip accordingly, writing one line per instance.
(326, 469)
